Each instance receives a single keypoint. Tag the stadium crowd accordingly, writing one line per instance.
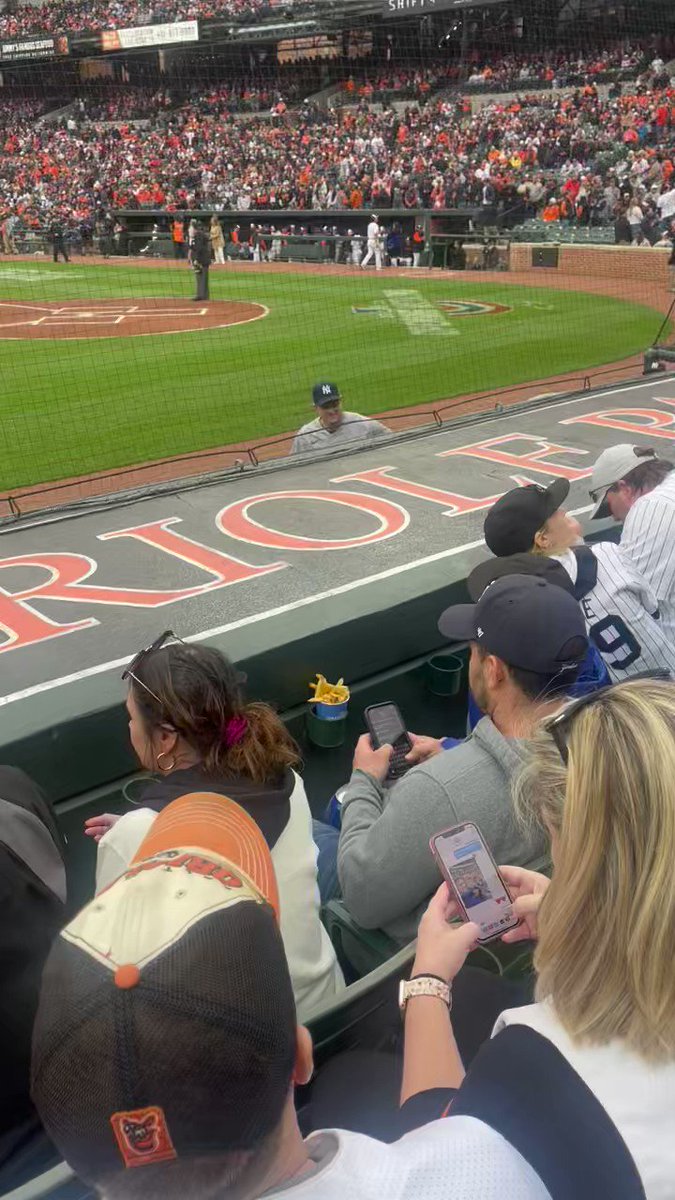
(563, 156)
(167, 1059)
(74, 16)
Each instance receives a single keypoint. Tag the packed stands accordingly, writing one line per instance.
(560, 157)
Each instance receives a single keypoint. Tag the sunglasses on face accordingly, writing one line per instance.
(560, 724)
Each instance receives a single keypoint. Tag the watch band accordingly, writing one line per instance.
(423, 985)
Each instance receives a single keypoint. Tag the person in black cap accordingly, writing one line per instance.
(166, 1048)
(57, 237)
(333, 428)
(531, 519)
(200, 259)
(527, 641)
(527, 528)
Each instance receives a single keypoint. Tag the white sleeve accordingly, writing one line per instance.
(649, 540)
(460, 1158)
(117, 848)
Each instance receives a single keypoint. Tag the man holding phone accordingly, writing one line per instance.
(528, 639)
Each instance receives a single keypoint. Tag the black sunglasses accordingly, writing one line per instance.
(131, 672)
(559, 725)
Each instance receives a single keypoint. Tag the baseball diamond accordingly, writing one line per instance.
(239, 377)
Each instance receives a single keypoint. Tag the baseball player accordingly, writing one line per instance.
(333, 428)
(634, 485)
(619, 606)
(373, 243)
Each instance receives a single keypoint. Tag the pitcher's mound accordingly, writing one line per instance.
(68, 320)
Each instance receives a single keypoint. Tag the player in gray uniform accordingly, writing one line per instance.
(620, 608)
(333, 428)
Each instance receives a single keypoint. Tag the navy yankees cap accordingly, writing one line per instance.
(518, 515)
(325, 393)
(526, 622)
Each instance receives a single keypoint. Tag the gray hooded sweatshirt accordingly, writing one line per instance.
(385, 866)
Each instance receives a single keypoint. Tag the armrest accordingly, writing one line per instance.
(359, 950)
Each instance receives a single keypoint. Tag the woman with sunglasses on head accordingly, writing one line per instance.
(190, 723)
(583, 1080)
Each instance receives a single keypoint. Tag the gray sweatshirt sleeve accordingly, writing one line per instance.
(385, 866)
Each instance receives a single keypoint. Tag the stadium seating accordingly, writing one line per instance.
(360, 159)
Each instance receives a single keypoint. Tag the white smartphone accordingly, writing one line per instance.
(472, 873)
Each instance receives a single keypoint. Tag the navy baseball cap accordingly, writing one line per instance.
(525, 621)
(518, 515)
(325, 393)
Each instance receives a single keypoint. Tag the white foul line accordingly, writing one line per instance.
(292, 605)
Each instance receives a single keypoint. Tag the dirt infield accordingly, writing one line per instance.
(73, 320)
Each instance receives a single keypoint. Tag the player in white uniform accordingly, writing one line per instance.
(621, 610)
(635, 486)
(374, 243)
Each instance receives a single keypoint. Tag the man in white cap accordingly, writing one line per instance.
(633, 485)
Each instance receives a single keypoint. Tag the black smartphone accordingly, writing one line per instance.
(468, 866)
(387, 727)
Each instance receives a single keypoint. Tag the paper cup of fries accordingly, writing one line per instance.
(330, 700)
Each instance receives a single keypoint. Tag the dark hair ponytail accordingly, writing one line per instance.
(198, 692)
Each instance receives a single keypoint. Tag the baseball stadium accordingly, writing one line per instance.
(337, 599)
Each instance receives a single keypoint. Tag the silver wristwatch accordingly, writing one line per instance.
(423, 985)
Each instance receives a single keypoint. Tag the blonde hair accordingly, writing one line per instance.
(605, 951)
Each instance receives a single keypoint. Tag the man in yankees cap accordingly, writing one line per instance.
(333, 428)
(166, 1049)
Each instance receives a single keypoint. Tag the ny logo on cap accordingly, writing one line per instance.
(326, 389)
(479, 631)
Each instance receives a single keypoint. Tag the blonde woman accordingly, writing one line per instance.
(217, 241)
(583, 1080)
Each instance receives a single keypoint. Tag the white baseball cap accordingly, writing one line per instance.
(614, 464)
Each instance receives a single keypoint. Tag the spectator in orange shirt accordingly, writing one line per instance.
(551, 211)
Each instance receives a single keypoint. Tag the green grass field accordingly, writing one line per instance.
(70, 408)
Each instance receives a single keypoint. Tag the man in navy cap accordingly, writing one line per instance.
(528, 639)
(333, 428)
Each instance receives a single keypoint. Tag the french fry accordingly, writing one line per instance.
(328, 693)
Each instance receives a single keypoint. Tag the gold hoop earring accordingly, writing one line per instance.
(165, 769)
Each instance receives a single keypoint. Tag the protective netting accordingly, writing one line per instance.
(518, 155)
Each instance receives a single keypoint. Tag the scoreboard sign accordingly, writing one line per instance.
(403, 7)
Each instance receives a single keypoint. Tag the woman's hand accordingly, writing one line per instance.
(97, 827)
(442, 948)
(527, 889)
(423, 748)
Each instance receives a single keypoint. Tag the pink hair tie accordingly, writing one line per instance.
(234, 730)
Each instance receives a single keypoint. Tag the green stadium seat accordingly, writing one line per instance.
(58, 1183)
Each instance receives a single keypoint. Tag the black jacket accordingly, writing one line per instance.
(267, 804)
(32, 901)
(201, 249)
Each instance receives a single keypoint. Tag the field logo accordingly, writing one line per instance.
(471, 308)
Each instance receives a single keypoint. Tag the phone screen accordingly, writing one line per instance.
(470, 869)
(386, 724)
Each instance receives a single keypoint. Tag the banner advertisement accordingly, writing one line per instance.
(149, 35)
(390, 7)
(37, 47)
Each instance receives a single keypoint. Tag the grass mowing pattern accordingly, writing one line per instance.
(70, 408)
